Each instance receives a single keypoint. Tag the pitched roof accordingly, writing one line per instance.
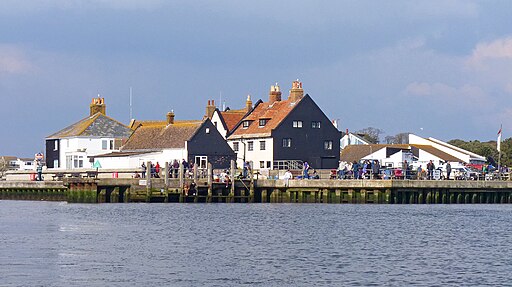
(157, 135)
(274, 113)
(436, 152)
(357, 152)
(232, 117)
(98, 125)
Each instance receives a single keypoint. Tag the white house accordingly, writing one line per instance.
(352, 139)
(74, 146)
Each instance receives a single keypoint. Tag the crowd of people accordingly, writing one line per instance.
(155, 170)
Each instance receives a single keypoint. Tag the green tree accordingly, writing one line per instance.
(371, 134)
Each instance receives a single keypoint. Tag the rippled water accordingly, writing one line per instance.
(59, 244)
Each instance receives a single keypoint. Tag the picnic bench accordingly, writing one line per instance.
(74, 175)
(91, 174)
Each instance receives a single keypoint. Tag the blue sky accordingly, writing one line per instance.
(435, 68)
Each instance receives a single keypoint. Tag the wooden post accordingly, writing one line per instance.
(387, 198)
(181, 175)
(210, 183)
(264, 196)
(337, 196)
(166, 176)
(148, 181)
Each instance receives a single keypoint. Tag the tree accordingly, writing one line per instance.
(371, 134)
(488, 149)
(400, 138)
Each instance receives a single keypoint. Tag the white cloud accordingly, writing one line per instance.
(466, 95)
(500, 49)
(13, 60)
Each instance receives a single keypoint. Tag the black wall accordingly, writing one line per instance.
(308, 143)
(212, 145)
(52, 154)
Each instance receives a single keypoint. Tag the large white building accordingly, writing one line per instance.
(74, 146)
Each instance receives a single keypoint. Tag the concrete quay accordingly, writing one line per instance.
(112, 190)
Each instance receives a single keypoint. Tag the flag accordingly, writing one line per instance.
(499, 140)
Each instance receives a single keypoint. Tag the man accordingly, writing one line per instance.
(430, 170)
(448, 170)
(376, 169)
(305, 170)
(287, 176)
(39, 171)
(342, 169)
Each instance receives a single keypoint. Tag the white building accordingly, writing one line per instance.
(74, 146)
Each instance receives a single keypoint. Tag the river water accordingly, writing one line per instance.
(60, 244)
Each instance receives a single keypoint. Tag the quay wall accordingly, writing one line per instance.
(114, 190)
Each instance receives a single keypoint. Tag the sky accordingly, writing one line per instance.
(439, 69)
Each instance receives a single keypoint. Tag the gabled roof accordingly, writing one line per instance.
(274, 113)
(232, 117)
(98, 125)
(158, 135)
(439, 153)
(357, 152)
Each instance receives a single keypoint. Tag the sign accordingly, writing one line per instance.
(437, 174)
(143, 182)
(39, 156)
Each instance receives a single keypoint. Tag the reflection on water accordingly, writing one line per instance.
(56, 244)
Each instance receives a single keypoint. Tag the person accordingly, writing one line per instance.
(157, 169)
(176, 168)
(355, 169)
(405, 168)
(448, 170)
(376, 169)
(315, 175)
(430, 170)
(247, 168)
(342, 169)
(39, 170)
(143, 170)
(287, 176)
(305, 170)
(136, 175)
(419, 172)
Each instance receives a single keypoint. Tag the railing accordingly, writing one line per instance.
(288, 164)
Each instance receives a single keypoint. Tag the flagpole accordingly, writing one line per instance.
(499, 150)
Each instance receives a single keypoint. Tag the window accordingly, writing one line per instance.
(268, 164)
(245, 124)
(262, 164)
(236, 146)
(315, 125)
(56, 147)
(263, 122)
(262, 145)
(111, 144)
(297, 124)
(207, 130)
(104, 144)
(250, 146)
(287, 142)
(328, 145)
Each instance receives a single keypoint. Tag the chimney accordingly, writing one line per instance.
(275, 94)
(248, 104)
(296, 93)
(170, 117)
(210, 109)
(97, 106)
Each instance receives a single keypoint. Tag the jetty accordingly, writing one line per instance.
(94, 189)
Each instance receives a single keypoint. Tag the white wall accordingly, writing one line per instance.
(134, 161)
(414, 139)
(218, 123)
(256, 155)
(80, 146)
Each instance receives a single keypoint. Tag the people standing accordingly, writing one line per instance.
(355, 169)
(305, 170)
(157, 169)
(287, 176)
(448, 170)
(376, 169)
(143, 170)
(342, 169)
(430, 170)
(39, 170)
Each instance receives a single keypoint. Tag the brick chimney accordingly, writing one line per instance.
(97, 106)
(296, 93)
(170, 117)
(210, 109)
(275, 94)
(248, 104)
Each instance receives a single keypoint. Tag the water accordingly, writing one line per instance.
(60, 244)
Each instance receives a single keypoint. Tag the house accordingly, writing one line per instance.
(226, 121)
(352, 139)
(74, 146)
(195, 141)
(393, 155)
(17, 163)
(281, 134)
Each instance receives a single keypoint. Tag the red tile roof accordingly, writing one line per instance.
(275, 113)
(232, 117)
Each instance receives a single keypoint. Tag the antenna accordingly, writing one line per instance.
(131, 111)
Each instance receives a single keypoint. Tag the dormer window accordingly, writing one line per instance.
(263, 122)
(246, 124)
(315, 125)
